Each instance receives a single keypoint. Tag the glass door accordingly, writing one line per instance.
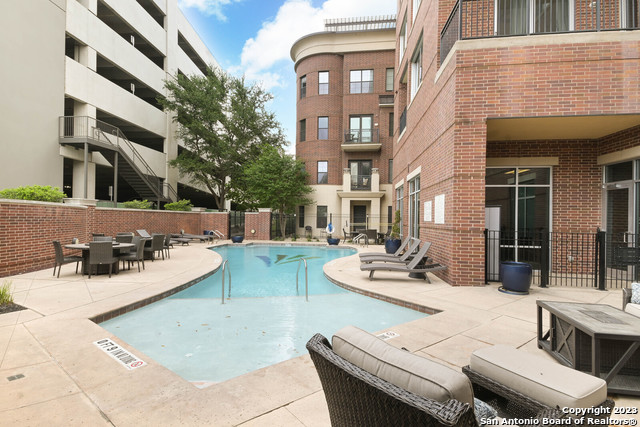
(619, 226)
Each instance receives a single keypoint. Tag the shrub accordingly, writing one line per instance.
(180, 205)
(43, 193)
(5, 293)
(138, 204)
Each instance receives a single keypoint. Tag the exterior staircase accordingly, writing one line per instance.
(114, 146)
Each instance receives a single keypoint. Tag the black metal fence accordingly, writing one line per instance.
(596, 260)
(236, 223)
(289, 228)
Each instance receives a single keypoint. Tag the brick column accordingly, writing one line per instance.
(257, 225)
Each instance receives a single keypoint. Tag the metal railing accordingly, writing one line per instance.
(361, 182)
(306, 279)
(385, 99)
(472, 19)
(362, 136)
(224, 268)
(91, 128)
(595, 260)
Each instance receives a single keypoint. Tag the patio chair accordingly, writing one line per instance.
(157, 245)
(124, 237)
(144, 233)
(403, 259)
(136, 254)
(627, 304)
(101, 253)
(168, 243)
(61, 259)
(367, 381)
(419, 264)
(102, 239)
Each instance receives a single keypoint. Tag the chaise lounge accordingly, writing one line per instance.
(366, 381)
(417, 265)
(405, 258)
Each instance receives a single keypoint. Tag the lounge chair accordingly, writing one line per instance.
(402, 259)
(404, 245)
(419, 264)
(144, 233)
(366, 381)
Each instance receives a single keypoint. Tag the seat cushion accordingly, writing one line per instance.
(635, 293)
(633, 309)
(416, 374)
(541, 379)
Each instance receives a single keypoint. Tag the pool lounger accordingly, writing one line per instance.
(403, 259)
(412, 267)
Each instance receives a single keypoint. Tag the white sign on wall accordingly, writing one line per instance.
(439, 209)
(427, 211)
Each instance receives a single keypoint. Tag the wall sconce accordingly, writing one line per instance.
(253, 231)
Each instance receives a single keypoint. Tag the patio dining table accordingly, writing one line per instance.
(84, 247)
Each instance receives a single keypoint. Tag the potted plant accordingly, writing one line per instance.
(392, 244)
(331, 240)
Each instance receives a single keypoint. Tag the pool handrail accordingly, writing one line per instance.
(306, 279)
(224, 267)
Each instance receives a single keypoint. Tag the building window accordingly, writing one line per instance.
(390, 177)
(321, 218)
(388, 83)
(303, 130)
(414, 207)
(361, 129)
(323, 172)
(323, 127)
(301, 216)
(399, 207)
(414, 10)
(360, 174)
(402, 40)
(391, 119)
(416, 69)
(517, 17)
(303, 87)
(361, 81)
(323, 83)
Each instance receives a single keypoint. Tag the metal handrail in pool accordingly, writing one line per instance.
(224, 267)
(306, 279)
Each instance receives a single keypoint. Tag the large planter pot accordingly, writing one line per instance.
(392, 245)
(516, 277)
(237, 239)
(333, 240)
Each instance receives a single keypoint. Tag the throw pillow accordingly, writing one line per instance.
(635, 293)
(483, 411)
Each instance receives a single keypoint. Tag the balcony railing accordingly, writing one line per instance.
(385, 99)
(361, 182)
(473, 19)
(362, 136)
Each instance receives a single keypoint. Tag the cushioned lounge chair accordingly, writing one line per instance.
(366, 381)
(419, 264)
(405, 258)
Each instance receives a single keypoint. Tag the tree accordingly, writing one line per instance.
(274, 180)
(222, 123)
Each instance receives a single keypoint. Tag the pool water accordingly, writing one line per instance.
(264, 322)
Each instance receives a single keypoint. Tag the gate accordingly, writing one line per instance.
(290, 225)
(236, 223)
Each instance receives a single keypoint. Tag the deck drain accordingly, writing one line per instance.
(15, 377)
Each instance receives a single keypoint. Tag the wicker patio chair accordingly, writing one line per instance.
(101, 253)
(168, 243)
(157, 245)
(102, 239)
(61, 259)
(124, 237)
(136, 254)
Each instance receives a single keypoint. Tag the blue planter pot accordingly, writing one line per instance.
(516, 277)
(237, 239)
(392, 245)
(333, 240)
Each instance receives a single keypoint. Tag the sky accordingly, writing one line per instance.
(254, 37)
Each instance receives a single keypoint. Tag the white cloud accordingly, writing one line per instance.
(208, 7)
(297, 18)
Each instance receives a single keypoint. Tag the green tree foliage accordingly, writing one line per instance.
(138, 204)
(222, 123)
(181, 205)
(273, 180)
(43, 193)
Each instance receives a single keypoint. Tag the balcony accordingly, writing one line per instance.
(361, 140)
(360, 182)
(474, 19)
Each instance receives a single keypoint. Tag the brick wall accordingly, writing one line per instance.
(260, 222)
(28, 228)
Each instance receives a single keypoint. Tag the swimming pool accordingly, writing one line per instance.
(264, 322)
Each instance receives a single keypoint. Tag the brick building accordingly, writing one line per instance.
(345, 123)
(538, 131)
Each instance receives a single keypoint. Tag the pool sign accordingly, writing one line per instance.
(123, 356)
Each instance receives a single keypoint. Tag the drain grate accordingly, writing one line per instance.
(15, 377)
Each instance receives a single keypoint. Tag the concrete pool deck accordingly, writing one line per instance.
(64, 379)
